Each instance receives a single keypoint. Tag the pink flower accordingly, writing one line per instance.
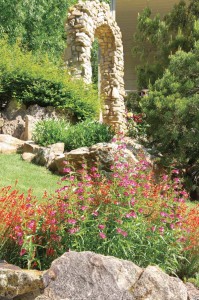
(161, 229)
(102, 235)
(22, 252)
(19, 234)
(101, 226)
(153, 228)
(20, 242)
(172, 226)
(84, 208)
(52, 213)
(53, 221)
(175, 171)
(163, 214)
(165, 177)
(73, 230)
(31, 224)
(176, 180)
(66, 170)
(96, 175)
(126, 194)
(181, 200)
(71, 221)
(132, 214)
(122, 232)
(116, 175)
(93, 169)
(182, 239)
(95, 213)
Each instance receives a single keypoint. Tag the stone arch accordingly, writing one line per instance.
(87, 20)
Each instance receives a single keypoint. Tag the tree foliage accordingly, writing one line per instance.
(38, 23)
(158, 38)
(172, 109)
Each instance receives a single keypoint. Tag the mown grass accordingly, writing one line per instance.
(13, 169)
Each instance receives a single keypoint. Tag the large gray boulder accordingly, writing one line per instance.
(90, 276)
(87, 275)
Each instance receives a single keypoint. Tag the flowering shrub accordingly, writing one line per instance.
(136, 125)
(190, 266)
(192, 225)
(126, 214)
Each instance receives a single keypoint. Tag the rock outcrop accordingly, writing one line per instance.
(9, 144)
(54, 157)
(90, 276)
(19, 121)
(16, 283)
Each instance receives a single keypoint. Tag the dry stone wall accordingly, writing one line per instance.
(86, 21)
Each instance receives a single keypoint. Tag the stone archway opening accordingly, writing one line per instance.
(95, 57)
(107, 47)
(86, 21)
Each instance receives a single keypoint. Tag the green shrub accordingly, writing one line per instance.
(87, 134)
(83, 134)
(172, 109)
(35, 80)
(50, 131)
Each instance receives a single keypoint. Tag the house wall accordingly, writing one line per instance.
(126, 17)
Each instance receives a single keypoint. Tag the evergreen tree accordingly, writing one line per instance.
(156, 39)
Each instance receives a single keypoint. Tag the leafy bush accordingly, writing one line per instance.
(50, 131)
(73, 136)
(87, 134)
(172, 109)
(35, 80)
(127, 215)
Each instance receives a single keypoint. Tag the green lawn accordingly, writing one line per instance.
(28, 175)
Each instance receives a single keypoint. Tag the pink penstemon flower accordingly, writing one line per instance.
(122, 232)
(101, 226)
(71, 221)
(102, 235)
